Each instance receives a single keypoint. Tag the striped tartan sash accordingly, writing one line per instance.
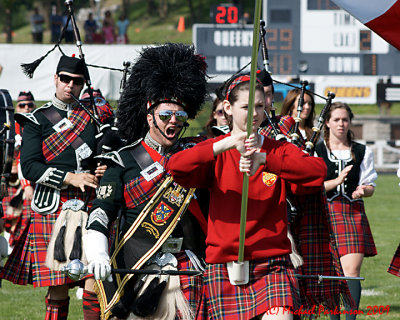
(57, 142)
(138, 190)
(144, 238)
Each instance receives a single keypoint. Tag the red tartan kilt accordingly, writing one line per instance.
(350, 227)
(191, 286)
(272, 284)
(16, 269)
(394, 267)
(22, 219)
(12, 191)
(40, 233)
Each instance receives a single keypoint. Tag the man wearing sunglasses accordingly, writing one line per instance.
(155, 232)
(25, 102)
(57, 154)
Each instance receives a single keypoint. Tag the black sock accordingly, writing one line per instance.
(355, 291)
(334, 316)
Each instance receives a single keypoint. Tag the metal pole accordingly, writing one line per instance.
(321, 277)
(265, 12)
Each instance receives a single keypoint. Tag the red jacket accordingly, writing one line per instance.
(266, 228)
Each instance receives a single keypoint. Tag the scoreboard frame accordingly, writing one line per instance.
(341, 46)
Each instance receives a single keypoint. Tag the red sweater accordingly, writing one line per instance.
(266, 228)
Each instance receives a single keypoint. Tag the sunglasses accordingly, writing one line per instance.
(219, 112)
(28, 104)
(165, 115)
(67, 79)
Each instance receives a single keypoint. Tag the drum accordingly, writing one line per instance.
(7, 139)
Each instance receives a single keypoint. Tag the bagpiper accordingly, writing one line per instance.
(166, 87)
(57, 154)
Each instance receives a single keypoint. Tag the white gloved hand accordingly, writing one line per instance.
(96, 248)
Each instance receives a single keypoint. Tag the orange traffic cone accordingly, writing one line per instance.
(181, 24)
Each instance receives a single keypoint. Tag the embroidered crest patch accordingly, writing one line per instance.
(269, 178)
(105, 191)
(175, 195)
(161, 214)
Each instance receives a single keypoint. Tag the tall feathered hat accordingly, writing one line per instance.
(170, 72)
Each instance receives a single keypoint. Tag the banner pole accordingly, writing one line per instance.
(253, 76)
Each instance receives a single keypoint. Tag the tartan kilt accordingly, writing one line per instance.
(350, 227)
(315, 242)
(394, 267)
(18, 265)
(272, 284)
(40, 231)
(191, 286)
(22, 220)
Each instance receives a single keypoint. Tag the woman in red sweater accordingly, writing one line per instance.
(272, 165)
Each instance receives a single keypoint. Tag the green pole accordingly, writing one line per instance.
(253, 75)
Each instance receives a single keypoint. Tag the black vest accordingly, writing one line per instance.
(335, 166)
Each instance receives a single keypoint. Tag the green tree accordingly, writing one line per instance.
(192, 11)
(151, 7)
(126, 5)
(163, 9)
(11, 9)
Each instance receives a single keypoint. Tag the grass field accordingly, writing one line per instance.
(379, 288)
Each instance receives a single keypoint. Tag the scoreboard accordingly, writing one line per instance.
(304, 37)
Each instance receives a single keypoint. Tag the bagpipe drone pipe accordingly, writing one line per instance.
(107, 137)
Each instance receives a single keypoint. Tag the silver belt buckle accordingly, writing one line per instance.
(172, 245)
(73, 204)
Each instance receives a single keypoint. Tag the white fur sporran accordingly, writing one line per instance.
(71, 219)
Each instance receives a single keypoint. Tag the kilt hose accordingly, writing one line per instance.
(272, 284)
(394, 267)
(350, 227)
(10, 213)
(29, 266)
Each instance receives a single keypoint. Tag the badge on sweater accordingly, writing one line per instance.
(269, 178)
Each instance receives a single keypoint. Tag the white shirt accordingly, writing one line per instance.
(368, 174)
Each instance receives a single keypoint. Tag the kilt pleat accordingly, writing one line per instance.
(29, 265)
(41, 228)
(350, 227)
(22, 219)
(18, 265)
(191, 286)
(394, 267)
(315, 241)
(272, 284)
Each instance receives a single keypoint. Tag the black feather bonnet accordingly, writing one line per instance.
(170, 71)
